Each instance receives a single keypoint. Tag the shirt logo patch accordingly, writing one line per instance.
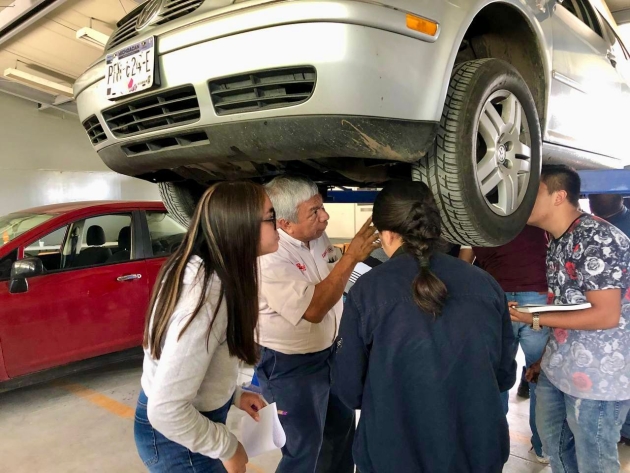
(325, 254)
(301, 267)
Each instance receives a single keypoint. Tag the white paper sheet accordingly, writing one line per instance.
(359, 270)
(265, 435)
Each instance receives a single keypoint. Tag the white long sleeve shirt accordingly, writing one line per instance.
(194, 374)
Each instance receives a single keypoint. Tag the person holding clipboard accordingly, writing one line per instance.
(583, 390)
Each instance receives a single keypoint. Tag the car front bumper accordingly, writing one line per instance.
(365, 75)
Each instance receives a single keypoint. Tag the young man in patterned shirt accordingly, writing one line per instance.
(583, 392)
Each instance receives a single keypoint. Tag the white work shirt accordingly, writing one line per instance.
(288, 279)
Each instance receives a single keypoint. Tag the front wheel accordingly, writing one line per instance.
(179, 200)
(484, 167)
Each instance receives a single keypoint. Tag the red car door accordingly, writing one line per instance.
(92, 304)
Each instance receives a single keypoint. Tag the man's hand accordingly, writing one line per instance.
(518, 316)
(531, 375)
(363, 243)
(251, 403)
(330, 290)
(238, 462)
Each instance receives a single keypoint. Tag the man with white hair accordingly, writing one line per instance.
(300, 309)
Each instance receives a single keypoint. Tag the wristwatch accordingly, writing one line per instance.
(536, 322)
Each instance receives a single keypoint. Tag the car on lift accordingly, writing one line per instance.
(75, 283)
(469, 96)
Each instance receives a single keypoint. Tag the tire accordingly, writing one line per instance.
(178, 200)
(470, 145)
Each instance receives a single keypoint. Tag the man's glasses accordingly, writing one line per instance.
(271, 219)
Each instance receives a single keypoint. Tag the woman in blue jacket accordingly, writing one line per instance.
(425, 348)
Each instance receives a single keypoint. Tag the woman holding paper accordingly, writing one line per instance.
(425, 349)
(201, 322)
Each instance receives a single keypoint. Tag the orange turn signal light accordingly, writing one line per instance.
(421, 25)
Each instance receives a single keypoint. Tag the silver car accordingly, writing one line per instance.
(469, 96)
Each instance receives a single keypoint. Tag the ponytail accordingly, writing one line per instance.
(429, 292)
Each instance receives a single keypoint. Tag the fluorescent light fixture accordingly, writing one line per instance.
(37, 82)
(92, 37)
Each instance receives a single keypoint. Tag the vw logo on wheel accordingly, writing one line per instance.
(148, 14)
(501, 154)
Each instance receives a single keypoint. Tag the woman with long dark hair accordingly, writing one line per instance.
(201, 322)
(424, 350)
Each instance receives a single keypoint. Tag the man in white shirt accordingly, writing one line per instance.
(300, 309)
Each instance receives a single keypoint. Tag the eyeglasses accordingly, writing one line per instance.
(271, 219)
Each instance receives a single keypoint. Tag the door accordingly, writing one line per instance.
(585, 89)
(92, 300)
(620, 111)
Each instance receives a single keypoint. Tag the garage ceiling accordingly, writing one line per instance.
(48, 48)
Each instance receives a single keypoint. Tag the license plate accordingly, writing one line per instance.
(131, 69)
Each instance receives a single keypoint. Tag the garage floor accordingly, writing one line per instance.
(84, 423)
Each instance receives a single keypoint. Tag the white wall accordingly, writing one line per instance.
(346, 219)
(46, 158)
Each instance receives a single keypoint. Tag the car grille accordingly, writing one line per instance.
(263, 90)
(174, 9)
(94, 129)
(171, 10)
(126, 29)
(167, 108)
(169, 142)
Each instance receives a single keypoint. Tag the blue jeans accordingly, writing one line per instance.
(161, 455)
(579, 435)
(625, 430)
(319, 427)
(533, 345)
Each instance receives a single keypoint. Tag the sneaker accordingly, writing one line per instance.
(544, 459)
(625, 441)
(523, 389)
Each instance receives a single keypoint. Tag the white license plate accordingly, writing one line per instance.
(131, 69)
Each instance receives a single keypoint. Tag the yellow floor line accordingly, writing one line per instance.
(100, 400)
(254, 468)
(519, 438)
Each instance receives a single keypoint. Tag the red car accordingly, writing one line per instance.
(75, 281)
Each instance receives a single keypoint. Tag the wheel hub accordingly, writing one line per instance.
(503, 154)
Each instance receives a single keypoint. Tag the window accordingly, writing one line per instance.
(617, 46)
(13, 225)
(619, 56)
(583, 10)
(6, 264)
(106, 239)
(48, 249)
(166, 234)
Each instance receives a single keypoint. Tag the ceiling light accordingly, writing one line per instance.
(38, 82)
(92, 37)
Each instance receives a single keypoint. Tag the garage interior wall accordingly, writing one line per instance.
(46, 158)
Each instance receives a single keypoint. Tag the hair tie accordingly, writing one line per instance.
(425, 263)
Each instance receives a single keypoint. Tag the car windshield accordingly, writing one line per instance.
(14, 225)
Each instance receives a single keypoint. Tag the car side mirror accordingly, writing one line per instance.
(21, 270)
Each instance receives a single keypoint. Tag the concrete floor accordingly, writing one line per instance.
(84, 423)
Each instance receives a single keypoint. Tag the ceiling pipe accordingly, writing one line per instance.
(23, 14)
